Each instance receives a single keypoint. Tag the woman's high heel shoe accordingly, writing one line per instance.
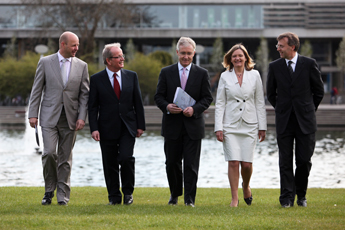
(249, 199)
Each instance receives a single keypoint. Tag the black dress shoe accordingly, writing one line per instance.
(128, 199)
(249, 199)
(302, 202)
(114, 202)
(190, 204)
(47, 199)
(173, 200)
(63, 203)
(288, 205)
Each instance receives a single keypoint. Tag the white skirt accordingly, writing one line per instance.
(240, 141)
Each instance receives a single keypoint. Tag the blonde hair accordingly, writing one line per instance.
(248, 65)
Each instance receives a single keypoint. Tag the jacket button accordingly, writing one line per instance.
(238, 101)
(240, 109)
(244, 100)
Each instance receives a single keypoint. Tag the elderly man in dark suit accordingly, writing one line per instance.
(183, 129)
(295, 90)
(116, 117)
(60, 91)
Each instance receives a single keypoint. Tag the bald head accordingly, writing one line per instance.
(68, 44)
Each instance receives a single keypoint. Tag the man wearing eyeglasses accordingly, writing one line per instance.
(116, 118)
(295, 90)
(183, 129)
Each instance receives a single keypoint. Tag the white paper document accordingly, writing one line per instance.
(182, 99)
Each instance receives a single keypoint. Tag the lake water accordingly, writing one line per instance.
(21, 166)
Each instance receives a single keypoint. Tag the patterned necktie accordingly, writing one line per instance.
(117, 87)
(183, 79)
(290, 68)
(64, 71)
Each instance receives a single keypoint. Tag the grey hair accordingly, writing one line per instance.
(106, 51)
(185, 41)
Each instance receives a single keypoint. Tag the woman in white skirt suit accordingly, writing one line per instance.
(240, 117)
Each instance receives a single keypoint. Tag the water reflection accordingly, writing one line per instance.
(21, 166)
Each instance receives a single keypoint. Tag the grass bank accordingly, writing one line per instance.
(20, 208)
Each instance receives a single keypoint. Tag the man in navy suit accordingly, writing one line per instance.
(295, 90)
(116, 117)
(183, 129)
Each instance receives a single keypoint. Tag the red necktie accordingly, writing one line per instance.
(117, 87)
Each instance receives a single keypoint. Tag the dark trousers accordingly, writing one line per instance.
(188, 150)
(294, 184)
(115, 153)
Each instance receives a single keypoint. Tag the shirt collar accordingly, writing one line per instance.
(180, 66)
(294, 59)
(61, 57)
(111, 73)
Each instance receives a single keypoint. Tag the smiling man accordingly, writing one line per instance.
(183, 129)
(60, 91)
(295, 90)
(116, 117)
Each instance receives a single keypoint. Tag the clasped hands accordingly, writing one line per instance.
(174, 109)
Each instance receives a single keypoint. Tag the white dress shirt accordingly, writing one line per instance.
(111, 77)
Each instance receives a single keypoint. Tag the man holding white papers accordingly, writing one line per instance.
(183, 129)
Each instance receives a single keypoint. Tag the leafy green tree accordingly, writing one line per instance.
(17, 76)
(340, 60)
(306, 49)
(262, 60)
(148, 70)
(162, 56)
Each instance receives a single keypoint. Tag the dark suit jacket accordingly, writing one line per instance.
(302, 93)
(106, 111)
(198, 87)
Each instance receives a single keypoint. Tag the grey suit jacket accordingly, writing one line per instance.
(50, 95)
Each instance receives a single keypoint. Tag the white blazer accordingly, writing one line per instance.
(234, 102)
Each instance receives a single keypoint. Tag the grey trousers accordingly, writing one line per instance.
(58, 143)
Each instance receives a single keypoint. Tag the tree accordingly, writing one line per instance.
(17, 76)
(306, 49)
(262, 60)
(340, 60)
(148, 71)
(11, 48)
(85, 16)
(217, 56)
(161, 56)
(216, 62)
(172, 51)
(130, 50)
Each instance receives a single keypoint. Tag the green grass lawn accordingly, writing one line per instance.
(20, 208)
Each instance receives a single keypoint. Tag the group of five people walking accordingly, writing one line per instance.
(63, 95)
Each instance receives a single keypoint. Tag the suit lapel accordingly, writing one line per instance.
(73, 69)
(175, 76)
(107, 84)
(191, 77)
(298, 67)
(284, 70)
(124, 83)
(55, 66)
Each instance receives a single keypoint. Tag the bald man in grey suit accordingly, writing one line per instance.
(60, 91)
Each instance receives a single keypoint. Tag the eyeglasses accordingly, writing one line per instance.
(120, 56)
(279, 46)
